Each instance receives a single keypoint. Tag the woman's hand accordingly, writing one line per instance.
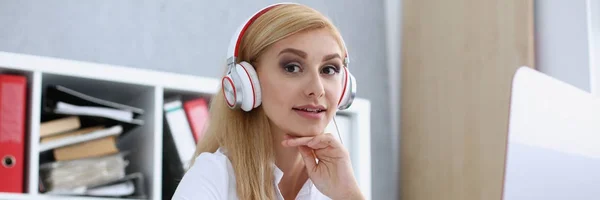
(333, 174)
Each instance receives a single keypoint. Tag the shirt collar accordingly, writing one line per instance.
(278, 174)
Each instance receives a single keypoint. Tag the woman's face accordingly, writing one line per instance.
(301, 82)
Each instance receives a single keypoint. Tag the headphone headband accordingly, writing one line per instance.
(234, 43)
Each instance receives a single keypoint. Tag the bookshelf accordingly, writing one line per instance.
(146, 89)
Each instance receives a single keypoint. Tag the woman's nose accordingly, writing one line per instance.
(314, 86)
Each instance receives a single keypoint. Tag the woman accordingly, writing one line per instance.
(274, 146)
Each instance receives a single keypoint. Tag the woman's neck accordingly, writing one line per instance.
(286, 158)
(289, 161)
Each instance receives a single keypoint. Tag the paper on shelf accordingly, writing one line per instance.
(64, 90)
(112, 131)
(116, 190)
(121, 115)
(120, 189)
(80, 174)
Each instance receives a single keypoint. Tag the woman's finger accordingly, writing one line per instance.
(293, 142)
(317, 142)
(323, 141)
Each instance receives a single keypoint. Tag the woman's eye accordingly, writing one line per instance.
(292, 68)
(330, 70)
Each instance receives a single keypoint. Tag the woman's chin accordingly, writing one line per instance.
(305, 133)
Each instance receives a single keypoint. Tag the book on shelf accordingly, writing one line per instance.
(184, 124)
(103, 145)
(79, 145)
(59, 126)
(78, 137)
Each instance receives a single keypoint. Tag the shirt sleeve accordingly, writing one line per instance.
(206, 179)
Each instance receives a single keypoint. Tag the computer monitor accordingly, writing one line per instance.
(553, 145)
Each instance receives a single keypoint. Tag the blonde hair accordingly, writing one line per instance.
(247, 136)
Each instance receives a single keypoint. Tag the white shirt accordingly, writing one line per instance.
(212, 177)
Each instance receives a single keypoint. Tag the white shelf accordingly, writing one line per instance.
(14, 196)
(53, 197)
(34, 124)
(146, 89)
(156, 191)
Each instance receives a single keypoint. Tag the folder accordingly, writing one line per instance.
(180, 131)
(178, 145)
(13, 112)
(59, 99)
(120, 115)
(75, 97)
(197, 115)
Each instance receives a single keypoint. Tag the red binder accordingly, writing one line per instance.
(197, 114)
(13, 106)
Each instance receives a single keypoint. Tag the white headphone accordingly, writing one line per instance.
(241, 87)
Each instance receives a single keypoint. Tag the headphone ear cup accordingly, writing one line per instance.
(255, 83)
(348, 90)
(251, 87)
(230, 91)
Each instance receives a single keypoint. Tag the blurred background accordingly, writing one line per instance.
(191, 37)
(437, 73)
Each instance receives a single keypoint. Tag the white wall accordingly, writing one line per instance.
(562, 42)
(393, 21)
(594, 47)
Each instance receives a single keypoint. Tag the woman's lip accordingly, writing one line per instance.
(314, 107)
(304, 109)
(310, 115)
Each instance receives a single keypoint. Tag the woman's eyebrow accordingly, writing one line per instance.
(331, 56)
(294, 51)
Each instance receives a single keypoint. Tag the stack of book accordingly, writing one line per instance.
(79, 151)
(184, 124)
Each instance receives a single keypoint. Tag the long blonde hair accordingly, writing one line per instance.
(247, 136)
